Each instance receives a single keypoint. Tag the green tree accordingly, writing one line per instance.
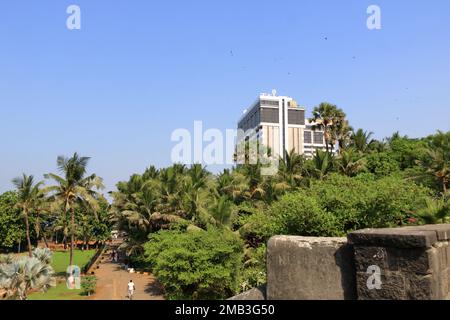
(437, 163)
(73, 188)
(329, 118)
(11, 224)
(28, 193)
(361, 140)
(350, 163)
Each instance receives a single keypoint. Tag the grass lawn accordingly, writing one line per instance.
(60, 260)
(60, 292)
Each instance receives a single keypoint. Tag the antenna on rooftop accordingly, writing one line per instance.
(274, 92)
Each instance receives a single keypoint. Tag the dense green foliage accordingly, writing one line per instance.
(11, 225)
(197, 264)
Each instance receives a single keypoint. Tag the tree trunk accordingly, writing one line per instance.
(45, 240)
(444, 186)
(27, 227)
(72, 233)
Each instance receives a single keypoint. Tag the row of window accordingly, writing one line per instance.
(308, 137)
(269, 103)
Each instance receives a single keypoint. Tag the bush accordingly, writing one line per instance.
(89, 285)
(258, 227)
(337, 205)
(365, 202)
(196, 265)
(382, 164)
(254, 273)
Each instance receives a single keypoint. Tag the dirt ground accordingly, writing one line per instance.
(112, 283)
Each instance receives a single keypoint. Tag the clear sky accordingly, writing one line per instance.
(137, 70)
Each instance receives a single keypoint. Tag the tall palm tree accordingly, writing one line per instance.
(74, 187)
(28, 195)
(361, 140)
(438, 165)
(342, 132)
(325, 117)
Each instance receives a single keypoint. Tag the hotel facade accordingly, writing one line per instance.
(278, 123)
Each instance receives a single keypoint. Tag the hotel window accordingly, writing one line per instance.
(318, 137)
(307, 137)
(269, 103)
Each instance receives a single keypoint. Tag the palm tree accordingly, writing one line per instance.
(73, 188)
(325, 117)
(349, 163)
(342, 132)
(28, 194)
(221, 211)
(291, 168)
(231, 184)
(438, 165)
(360, 140)
(435, 211)
(23, 275)
(438, 161)
(322, 164)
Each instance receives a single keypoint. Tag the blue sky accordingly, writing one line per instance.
(137, 70)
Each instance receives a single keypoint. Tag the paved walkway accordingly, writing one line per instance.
(112, 283)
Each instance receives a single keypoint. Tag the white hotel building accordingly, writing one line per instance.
(280, 124)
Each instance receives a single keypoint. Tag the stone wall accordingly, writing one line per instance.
(305, 268)
(411, 263)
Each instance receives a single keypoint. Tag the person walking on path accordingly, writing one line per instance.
(131, 289)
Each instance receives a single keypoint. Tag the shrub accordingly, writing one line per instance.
(365, 202)
(301, 214)
(89, 285)
(254, 273)
(382, 164)
(196, 265)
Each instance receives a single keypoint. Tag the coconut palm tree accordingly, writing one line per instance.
(350, 164)
(325, 117)
(360, 140)
(342, 132)
(221, 211)
(322, 164)
(74, 187)
(291, 168)
(435, 211)
(232, 184)
(28, 195)
(437, 163)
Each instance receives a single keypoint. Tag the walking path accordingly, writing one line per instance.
(112, 282)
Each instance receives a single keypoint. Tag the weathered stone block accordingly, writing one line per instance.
(304, 268)
(253, 294)
(393, 287)
(396, 238)
(422, 287)
(442, 230)
(417, 261)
